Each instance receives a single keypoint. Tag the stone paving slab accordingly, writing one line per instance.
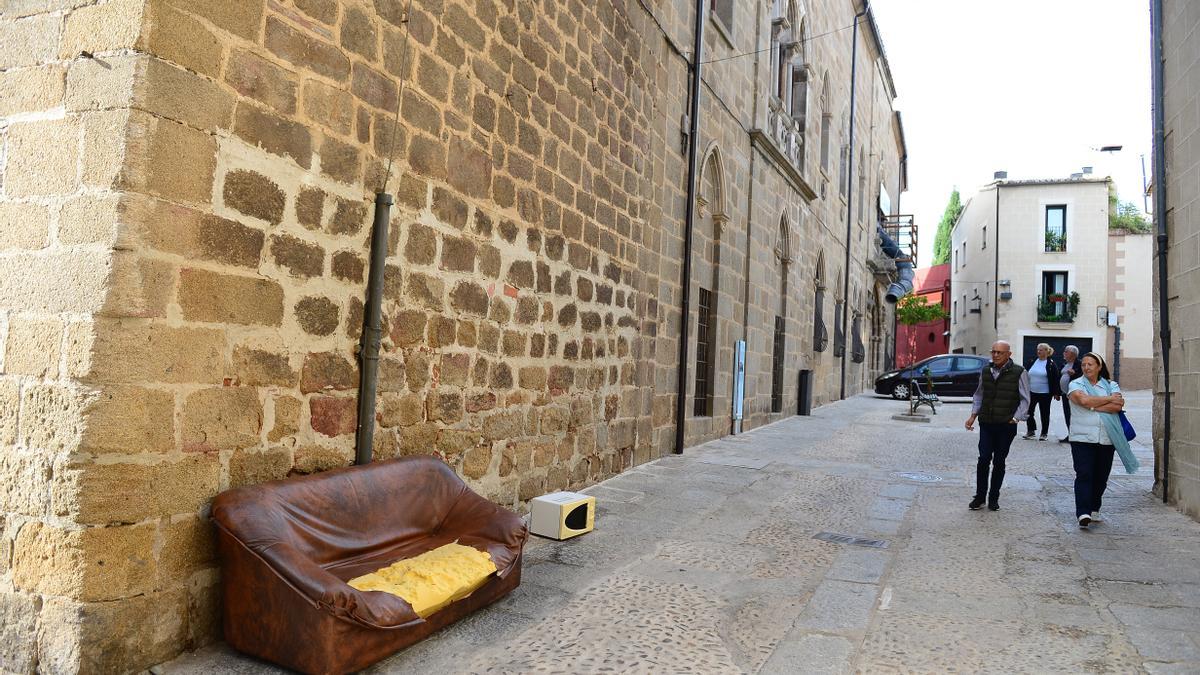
(706, 563)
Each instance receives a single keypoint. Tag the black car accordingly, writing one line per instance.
(951, 374)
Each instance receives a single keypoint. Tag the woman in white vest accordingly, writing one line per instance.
(1095, 435)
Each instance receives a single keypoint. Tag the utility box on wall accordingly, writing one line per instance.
(562, 515)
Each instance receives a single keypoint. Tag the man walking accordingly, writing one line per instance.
(1001, 400)
(1070, 371)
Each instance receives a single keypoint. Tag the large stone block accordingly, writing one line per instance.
(128, 635)
(30, 42)
(252, 75)
(26, 90)
(25, 478)
(223, 298)
(134, 420)
(51, 416)
(240, 17)
(374, 88)
(187, 547)
(30, 170)
(139, 351)
(317, 315)
(249, 467)
(327, 371)
(102, 159)
(10, 402)
(177, 94)
(191, 233)
(102, 27)
(340, 161)
(301, 258)
(176, 36)
(24, 226)
(306, 51)
(152, 159)
(124, 493)
(89, 219)
(333, 415)
(138, 286)
(90, 564)
(331, 107)
(18, 632)
(223, 418)
(275, 134)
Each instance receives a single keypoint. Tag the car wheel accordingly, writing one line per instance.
(900, 391)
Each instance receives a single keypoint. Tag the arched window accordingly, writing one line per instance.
(789, 72)
(820, 333)
(783, 258)
(711, 209)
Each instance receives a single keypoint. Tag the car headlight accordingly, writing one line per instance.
(887, 375)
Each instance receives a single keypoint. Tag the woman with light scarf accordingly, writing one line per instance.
(1096, 433)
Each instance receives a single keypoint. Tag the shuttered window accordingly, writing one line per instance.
(702, 399)
(777, 356)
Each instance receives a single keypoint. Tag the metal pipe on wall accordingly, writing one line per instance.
(850, 196)
(689, 222)
(1160, 222)
(372, 332)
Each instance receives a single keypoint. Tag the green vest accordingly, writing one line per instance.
(1002, 395)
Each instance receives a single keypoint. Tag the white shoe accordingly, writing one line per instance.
(1084, 521)
(1096, 518)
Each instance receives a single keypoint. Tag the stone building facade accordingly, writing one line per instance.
(1177, 465)
(184, 213)
(1053, 240)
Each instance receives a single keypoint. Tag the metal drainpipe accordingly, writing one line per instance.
(685, 307)
(749, 224)
(996, 291)
(849, 199)
(372, 332)
(1160, 220)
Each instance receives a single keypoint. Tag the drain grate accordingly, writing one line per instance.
(918, 476)
(851, 540)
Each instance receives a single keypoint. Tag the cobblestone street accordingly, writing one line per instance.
(707, 562)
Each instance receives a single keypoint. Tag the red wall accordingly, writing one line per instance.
(934, 284)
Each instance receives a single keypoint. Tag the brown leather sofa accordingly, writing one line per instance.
(288, 547)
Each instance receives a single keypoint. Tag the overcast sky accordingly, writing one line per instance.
(1027, 86)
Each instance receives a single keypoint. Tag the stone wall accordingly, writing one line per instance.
(1180, 93)
(186, 205)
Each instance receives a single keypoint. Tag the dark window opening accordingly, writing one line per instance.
(1056, 228)
(858, 350)
(839, 337)
(820, 334)
(723, 10)
(702, 399)
(777, 366)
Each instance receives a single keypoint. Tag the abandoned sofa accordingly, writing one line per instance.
(288, 548)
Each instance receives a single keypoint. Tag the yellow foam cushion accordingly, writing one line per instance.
(433, 579)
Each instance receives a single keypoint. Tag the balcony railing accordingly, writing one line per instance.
(903, 231)
(1057, 308)
(787, 133)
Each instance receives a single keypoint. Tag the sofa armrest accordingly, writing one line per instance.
(327, 592)
(476, 521)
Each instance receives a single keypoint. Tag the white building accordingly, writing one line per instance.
(1035, 261)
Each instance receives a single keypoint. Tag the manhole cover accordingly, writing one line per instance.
(918, 476)
(851, 540)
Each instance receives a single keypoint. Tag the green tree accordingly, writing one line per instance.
(941, 241)
(912, 311)
(1125, 215)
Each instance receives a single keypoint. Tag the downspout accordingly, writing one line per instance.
(996, 291)
(685, 307)
(895, 317)
(372, 332)
(850, 197)
(1160, 221)
(750, 210)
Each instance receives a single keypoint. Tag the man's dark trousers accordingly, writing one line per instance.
(994, 442)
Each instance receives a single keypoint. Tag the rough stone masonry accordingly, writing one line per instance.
(184, 214)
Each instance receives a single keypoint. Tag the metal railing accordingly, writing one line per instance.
(1057, 308)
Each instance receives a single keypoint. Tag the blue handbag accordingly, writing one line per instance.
(1130, 434)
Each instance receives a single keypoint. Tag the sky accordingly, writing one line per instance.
(1032, 87)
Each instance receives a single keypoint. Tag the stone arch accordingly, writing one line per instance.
(712, 193)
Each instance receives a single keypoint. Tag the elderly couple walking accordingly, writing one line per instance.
(1002, 399)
